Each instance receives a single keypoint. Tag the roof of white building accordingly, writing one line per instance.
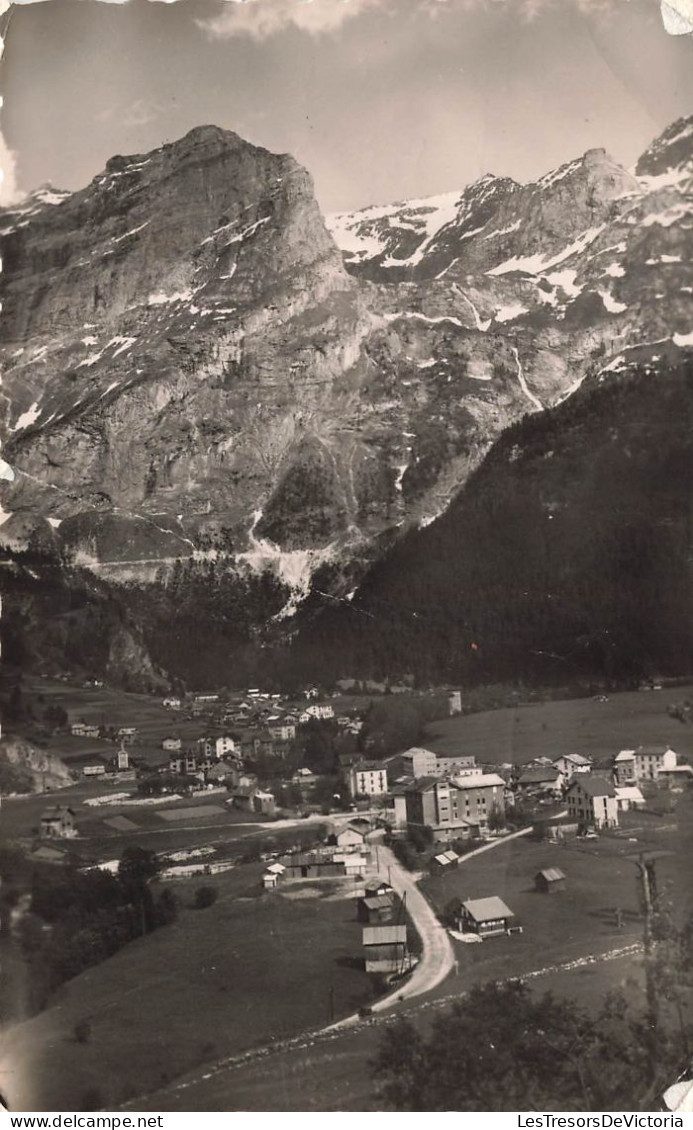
(482, 780)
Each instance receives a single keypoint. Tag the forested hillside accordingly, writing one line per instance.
(567, 555)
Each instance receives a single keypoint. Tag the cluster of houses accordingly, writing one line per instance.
(346, 852)
(456, 799)
(126, 735)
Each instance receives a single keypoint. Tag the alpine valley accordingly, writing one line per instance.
(449, 436)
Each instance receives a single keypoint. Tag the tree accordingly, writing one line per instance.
(496, 819)
(55, 716)
(137, 867)
(204, 897)
(504, 1049)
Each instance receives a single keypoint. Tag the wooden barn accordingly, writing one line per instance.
(376, 908)
(385, 948)
(311, 866)
(549, 880)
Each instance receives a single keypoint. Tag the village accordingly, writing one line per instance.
(381, 874)
(427, 810)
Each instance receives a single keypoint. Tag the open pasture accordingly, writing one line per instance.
(551, 729)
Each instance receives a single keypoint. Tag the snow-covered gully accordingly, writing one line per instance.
(523, 383)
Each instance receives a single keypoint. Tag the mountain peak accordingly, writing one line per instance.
(672, 150)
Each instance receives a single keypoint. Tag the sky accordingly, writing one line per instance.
(381, 100)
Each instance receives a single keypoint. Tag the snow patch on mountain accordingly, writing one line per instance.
(28, 418)
(536, 264)
(610, 303)
(509, 313)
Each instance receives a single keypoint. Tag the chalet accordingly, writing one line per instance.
(172, 745)
(351, 836)
(205, 698)
(629, 796)
(485, 917)
(591, 800)
(172, 703)
(273, 875)
(537, 779)
(549, 880)
(376, 908)
(572, 763)
(368, 778)
(126, 734)
(385, 948)
(57, 823)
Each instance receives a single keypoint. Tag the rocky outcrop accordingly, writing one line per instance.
(45, 770)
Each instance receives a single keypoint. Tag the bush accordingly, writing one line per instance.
(204, 897)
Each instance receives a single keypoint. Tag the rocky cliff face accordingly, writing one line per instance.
(44, 770)
(192, 367)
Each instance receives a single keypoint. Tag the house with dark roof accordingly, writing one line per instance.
(549, 880)
(571, 763)
(376, 908)
(57, 823)
(485, 917)
(540, 778)
(591, 800)
(376, 887)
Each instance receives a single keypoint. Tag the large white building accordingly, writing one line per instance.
(592, 801)
(643, 763)
(368, 778)
(224, 745)
(419, 762)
